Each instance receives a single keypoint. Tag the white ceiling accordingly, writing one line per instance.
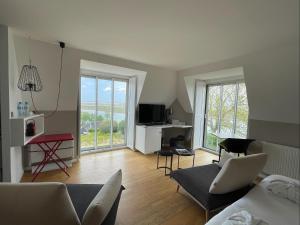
(175, 34)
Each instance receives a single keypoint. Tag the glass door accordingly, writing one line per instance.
(88, 97)
(213, 109)
(242, 111)
(228, 110)
(226, 113)
(119, 112)
(103, 113)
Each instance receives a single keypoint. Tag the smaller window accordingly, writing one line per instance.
(226, 113)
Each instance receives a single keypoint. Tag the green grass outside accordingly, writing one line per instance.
(211, 142)
(87, 140)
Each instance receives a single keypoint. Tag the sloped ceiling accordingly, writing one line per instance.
(220, 75)
(174, 34)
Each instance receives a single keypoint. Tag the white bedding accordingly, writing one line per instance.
(264, 205)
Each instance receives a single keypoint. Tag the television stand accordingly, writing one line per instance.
(153, 124)
(148, 138)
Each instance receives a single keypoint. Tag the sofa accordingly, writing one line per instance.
(56, 203)
(216, 186)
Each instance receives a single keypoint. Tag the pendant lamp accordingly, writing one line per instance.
(29, 79)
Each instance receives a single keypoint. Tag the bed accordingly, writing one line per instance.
(264, 205)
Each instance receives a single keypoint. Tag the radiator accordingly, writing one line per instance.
(282, 160)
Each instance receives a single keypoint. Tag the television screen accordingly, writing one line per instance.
(151, 113)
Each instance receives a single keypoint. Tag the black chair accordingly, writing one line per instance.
(234, 145)
(165, 152)
(177, 142)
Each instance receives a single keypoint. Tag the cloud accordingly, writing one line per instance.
(107, 89)
(122, 89)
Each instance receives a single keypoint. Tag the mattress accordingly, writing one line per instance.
(263, 205)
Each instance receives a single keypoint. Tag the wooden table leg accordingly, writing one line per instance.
(194, 160)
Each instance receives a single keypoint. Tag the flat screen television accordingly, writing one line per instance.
(151, 114)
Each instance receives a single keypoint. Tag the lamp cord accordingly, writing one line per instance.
(59, 85)
(33, 102)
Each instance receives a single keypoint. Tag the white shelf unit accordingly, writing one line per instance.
(148, 138)
(18, 129)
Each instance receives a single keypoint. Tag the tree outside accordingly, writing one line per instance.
(103, 124)
(227, 113)
(103, 112)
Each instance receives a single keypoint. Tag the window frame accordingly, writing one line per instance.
(111, 146)
(222, 84)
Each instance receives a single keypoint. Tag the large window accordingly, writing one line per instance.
(226, 113)
(103, 112)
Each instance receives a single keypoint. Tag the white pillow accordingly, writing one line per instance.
(104, 200)
(285, 189)
(237, 173)
(224, 157)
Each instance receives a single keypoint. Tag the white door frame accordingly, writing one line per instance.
(111, 146)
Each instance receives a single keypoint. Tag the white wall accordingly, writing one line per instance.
(10, 95)
(225, 75)
(159, 85)
(16, 163)
(5, 124)
(272, 80)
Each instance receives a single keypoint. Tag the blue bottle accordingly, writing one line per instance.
(20, 109)
(26, 109)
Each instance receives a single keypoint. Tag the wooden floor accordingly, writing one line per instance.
(150, 197)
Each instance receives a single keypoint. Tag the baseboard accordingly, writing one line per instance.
(208, 150)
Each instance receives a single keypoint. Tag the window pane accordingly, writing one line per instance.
(119, 116)
(88, 112)
(227, 111)
(104, 112)
(213, 108)
(242, 112)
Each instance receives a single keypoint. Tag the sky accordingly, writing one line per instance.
(88, 91)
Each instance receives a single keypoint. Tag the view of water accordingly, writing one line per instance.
(117, 116)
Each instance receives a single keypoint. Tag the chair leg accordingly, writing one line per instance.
(220, 149)
(177, 189)
(193, 160)
(214, 161)
(166, 163)
(157, 161)
(206, 215)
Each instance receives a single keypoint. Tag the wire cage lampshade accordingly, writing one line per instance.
(29, 79)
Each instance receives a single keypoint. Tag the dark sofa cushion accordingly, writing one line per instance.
(197, 180)
(82, 195)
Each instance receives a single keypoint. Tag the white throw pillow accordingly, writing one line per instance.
(237, 173)
(104, 200)
(224, 157)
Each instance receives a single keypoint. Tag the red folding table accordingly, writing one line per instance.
(49, 151)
